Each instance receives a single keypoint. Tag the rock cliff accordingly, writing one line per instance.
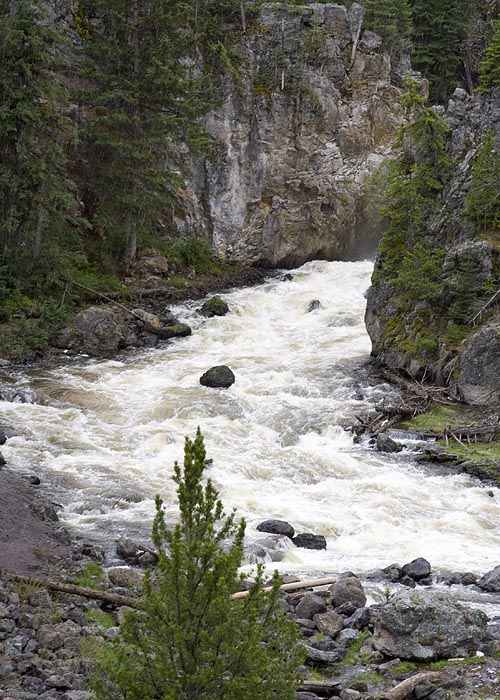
(312, 111)
(462, 346)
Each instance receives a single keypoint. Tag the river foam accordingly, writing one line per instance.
(106, 433)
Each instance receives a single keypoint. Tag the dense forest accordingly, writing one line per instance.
(99, 103)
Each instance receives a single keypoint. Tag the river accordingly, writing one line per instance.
(104, 434)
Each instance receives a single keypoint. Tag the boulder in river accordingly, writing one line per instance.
(423, 625)
(176, 330)
(276, 527)
(417, 569)
(387, 444)
(309, 541)
(214, 307)
(219, 377)
(314, 304)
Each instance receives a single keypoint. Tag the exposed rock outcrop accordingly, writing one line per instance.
(313, 113)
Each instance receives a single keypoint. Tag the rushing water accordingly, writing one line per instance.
(106, 433)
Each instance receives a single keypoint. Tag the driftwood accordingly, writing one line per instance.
(116, 599)
(404, 690)
(109, 299)
(290, 586)
(105, 596)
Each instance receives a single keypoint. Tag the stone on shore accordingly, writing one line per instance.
(423, 626)
(490, 581)
(348, 589)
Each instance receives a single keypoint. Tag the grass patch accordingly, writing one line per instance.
(466, 661)
(92, 576)
(478, 451)
(354, 649)
(100, 618)
(404, 667)
(437, 419)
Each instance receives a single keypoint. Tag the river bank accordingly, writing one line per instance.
(401, 647)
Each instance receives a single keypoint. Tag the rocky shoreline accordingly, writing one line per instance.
(357, 648)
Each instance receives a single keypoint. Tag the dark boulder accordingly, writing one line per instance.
(307, 540)
(423, 625)
(479, 378)
(287, 278)
(417, 569)
(276, 527)
(314, 304)
(219, 377)
(214, 307)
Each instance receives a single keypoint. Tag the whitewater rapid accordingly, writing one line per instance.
(104, 434)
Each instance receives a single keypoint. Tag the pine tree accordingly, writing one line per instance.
(36, 196)
(150, 89)
(191, 642)
(438, 25)
(489, 77)
(482, 204)
(391, 19)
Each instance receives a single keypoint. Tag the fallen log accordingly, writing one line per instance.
(326, 687)
(73, 589)
(290, 586)
(404, 690)
(117, 599)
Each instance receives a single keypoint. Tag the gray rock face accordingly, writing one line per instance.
(294, 143)
(423, 626)
(479, 378)
(220, 377)
(417, 569)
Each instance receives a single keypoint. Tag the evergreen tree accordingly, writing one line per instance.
(482, 204)
(191, 642)
(36, 196)
(489, 77)
(391, 19)
(437, 29)
(144, 62)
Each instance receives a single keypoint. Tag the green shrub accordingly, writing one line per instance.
(191, 641)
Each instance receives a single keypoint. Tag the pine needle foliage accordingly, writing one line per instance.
(191, 642)
(482, 205)
(489, 77)
(391, 19)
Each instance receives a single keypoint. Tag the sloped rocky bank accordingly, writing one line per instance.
(396, 648)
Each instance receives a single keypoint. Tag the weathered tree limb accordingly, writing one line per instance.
(116, 599)
(319, 687)
(404, 690)
(85, 592)
(290, 586)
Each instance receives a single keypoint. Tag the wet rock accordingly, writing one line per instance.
(152, 323)
(468, 579)
(220, 377)
(3, 461)
(127, 549)
(307, 540)
(423, 626)
(313, 305)
(348, 589)
(214, 307)
(392, 573)
(176, 330)
(287, 278)
(491, 580)
(417, 569)
(387, 444)
(99, 331)
(276, 527)
(408, 582)
(310, 605)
